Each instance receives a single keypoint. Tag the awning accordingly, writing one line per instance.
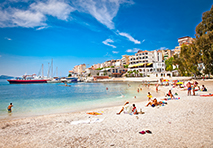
(116, 73)
(132, 65)
(140, 64)
(149, 64)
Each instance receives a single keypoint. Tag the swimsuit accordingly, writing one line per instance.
(153, 105)
(189, 88)
(9, 110)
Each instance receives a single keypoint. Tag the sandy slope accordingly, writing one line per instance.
(182, 123)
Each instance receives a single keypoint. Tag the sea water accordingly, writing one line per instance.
(51, 98)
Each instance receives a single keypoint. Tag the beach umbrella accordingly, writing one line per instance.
(179, 83)
(165, 80)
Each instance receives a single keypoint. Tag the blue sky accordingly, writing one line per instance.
(73, 32)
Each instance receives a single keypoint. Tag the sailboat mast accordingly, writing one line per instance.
(42, 71)
(52, 68)
(48, 72)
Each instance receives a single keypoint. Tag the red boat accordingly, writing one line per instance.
(28, 79)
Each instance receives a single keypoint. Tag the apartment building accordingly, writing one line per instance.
(167, 53)
(177, 50)
(185, 40)
(147, 62)
(97, 66)
(113, 72)
(79, 69)
(125, 59)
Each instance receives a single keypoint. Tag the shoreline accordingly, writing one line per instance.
(182, 123)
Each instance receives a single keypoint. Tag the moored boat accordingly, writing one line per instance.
(69, 79)
(22, 81)
(28, 79)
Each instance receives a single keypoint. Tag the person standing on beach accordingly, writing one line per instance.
(188, 85)
(195, 85)
(149, 96)
(9, 108)
(156, 87)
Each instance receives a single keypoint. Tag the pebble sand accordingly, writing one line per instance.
(186, 122)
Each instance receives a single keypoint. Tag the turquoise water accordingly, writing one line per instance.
(41, 99)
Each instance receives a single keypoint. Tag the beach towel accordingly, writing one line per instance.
(94, 120)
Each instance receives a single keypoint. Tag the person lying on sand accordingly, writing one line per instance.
(154, 103)
(127, 108)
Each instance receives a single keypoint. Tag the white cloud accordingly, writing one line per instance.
(28, 18)
(55, 8)
(162, 48)
(9, 39)
(143, 41)
(129, 37)
(107, 41)
(102, 10)
(35, 15)
(40, 28)
(115, 52)
(132, 50)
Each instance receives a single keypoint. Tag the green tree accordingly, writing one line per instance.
(126, 66)
(169, 63)
(188, 60)
(99, 68)
(204, 40)
(105, 72)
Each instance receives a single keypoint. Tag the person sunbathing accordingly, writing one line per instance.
(154, 103)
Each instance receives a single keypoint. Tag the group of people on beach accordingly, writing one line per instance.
(128, 109)
(192, 87)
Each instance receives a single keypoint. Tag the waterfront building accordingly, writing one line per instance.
(118, 63)
(113, 72)
(91, 71)
(108, 63)
(97, 66)
(125, 59)
(147, 62)
(79, 69)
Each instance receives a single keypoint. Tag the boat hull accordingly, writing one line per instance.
(26, 81)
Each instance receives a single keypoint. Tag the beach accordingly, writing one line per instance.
(186, 122)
